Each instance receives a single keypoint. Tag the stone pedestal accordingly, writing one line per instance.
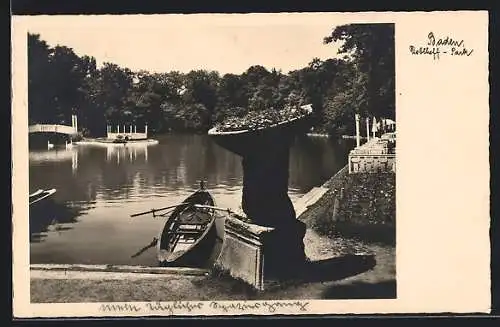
(265, 200)
(274, 233)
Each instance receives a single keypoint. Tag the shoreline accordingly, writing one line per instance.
(318, 135)
(93, 140)
(109, 142)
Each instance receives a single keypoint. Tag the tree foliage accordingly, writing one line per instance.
(371, 48)
(62, 83)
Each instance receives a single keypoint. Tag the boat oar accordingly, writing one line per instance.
(229, 211)
(214, 208)
(156, 210)
(196, 205)
(150, 245)
(163, 214)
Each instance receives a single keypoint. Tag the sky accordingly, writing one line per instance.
(162, 43)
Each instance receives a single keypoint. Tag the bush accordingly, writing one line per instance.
(366, 212)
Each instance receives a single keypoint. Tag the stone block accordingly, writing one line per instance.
(242, 254)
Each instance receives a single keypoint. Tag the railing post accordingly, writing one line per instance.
(357, 131)
(367, 129)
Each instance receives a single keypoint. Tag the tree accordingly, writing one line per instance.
(231, 97)
(201, 88)
(40, 105)
(67, 74)
(371, 47)
(57, 81)
(62, 83)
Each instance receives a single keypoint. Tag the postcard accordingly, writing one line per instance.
(250, 164)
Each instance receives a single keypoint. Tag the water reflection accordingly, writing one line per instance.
(49, 216)
(50, 155)
(55, 155)
(314, 160)
(129, 152)
(102, 186)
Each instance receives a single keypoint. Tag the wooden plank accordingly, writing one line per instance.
(120, 268)
(101, 276)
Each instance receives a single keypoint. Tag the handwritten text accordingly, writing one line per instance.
(435, 47)
(268, 306)
(193, 307)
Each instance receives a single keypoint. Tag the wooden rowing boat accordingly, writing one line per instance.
(41, 209)
(190, 233)
(40, 195)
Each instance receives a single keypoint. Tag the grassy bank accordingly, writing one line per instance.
(360, 206)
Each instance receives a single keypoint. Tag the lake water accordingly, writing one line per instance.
(99, 187)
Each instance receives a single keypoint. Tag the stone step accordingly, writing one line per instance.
(308, 199)
(117, 269)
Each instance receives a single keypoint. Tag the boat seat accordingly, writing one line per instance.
(188, 231)
(188, 236)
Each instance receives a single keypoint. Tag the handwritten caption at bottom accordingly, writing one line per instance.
(191, 307)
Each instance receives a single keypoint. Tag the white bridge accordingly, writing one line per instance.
(56, 128)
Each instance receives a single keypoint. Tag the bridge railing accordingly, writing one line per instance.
(51, 128)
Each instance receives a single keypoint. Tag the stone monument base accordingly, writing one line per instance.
(251, 252)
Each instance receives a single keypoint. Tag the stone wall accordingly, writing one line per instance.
(376, 155)
(367, 163)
